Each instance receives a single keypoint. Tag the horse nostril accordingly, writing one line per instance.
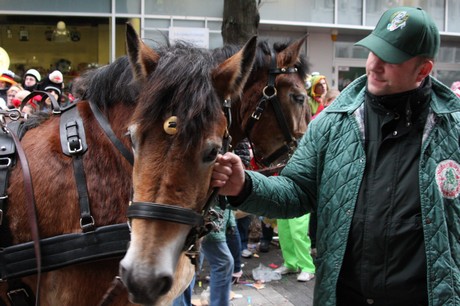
(165, 284)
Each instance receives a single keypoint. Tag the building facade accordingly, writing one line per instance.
(75, 35)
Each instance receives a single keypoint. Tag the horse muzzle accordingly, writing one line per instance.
(146, 288)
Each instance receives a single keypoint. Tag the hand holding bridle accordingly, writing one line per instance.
(228, 174)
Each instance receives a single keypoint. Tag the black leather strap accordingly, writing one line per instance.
(19, 294)
(73, 143)
(170, 213)
(60, 251)
(55, 106)
(7, 158)
(104, 124)
(72, 132)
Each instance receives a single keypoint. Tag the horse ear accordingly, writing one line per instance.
(142, 58)
(290, 55)
(231, 75)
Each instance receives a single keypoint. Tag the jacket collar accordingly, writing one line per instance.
(443, 100)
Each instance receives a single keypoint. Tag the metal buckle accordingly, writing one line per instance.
(88, 225)
(76, 150)
(16, 292)
(5, 162)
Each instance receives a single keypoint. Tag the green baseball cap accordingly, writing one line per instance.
(401, 34)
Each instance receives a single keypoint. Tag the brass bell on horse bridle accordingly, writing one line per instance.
(170, 125)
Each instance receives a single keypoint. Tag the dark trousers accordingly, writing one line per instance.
(312, 229)
(234, 244)
(243, 229)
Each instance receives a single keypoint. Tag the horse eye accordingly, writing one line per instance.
(299, 99)
(211, 155)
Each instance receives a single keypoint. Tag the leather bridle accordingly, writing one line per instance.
(202, 222)
(269, 95)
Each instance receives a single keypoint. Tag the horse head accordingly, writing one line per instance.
(177, 130)
(273, 112)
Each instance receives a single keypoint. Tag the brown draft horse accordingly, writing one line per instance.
(171, 172)
(108, 174)
(275, 95)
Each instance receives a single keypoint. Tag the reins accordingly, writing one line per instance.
(269, 95)
(21, 294)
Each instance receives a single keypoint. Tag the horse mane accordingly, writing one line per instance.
(181, 85)
(108, 85)
(261, 62)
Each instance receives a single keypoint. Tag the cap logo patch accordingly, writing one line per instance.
(397, 20)
(448, 179)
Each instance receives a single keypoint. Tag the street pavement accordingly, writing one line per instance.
(285, 292)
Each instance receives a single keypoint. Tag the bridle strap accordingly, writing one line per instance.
(105, 126)
(157, 211)
(198, 221)
(270, 95)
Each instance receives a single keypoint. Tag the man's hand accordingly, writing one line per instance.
(228, 174)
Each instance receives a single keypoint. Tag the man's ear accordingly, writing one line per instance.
(426, 69)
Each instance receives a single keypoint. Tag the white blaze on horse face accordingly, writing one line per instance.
(138, 259)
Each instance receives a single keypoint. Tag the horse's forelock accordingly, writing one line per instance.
(181, 85)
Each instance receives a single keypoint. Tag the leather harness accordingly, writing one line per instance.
(93, 243)
(42, 255)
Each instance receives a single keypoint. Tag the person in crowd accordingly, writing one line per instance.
(295, 248)
(11, 94)
(456, 88)
(317, 88)
(381, 166)
(243, 220)
(267, 225)
(233, 240)
(331, 94)
(6, 81)
(30, 107)
(53, 84)
(215, 250)
(31, 79)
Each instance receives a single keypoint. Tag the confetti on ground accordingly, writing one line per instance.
(234, 295)
(273, 266)
(258, 286)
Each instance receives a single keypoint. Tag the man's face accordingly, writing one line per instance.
(385, 79)
(29, 81)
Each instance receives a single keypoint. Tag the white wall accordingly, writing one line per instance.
(320, 52)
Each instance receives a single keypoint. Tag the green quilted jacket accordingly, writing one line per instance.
(325, 173)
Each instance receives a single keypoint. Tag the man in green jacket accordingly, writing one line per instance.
(381, 166)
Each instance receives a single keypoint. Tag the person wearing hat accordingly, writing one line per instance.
(317, 88)
(6, 81)
(52, 84)
(381, 167)
(31, 80)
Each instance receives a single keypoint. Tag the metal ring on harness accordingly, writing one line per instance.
(268, 96)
